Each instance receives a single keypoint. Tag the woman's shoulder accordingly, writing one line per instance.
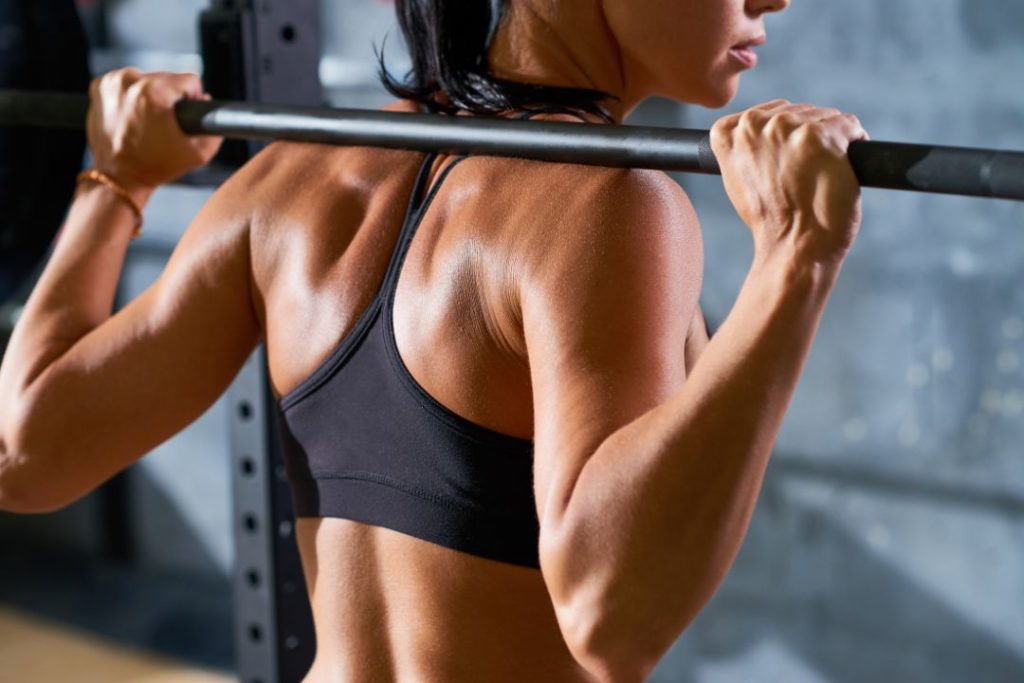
(287, 172)
(594, 204)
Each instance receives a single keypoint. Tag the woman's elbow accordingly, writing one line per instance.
(606, 653)
(12, 494)
(24, 500)
(18, 492)
(7, 460)
(592, 633)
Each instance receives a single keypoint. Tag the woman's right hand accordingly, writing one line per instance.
(132, 129)
(785, 169)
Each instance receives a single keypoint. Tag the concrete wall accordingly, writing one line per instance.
(888, 543)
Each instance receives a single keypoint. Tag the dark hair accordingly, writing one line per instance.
(448, 42)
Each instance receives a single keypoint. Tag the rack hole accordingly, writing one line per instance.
(248, 466)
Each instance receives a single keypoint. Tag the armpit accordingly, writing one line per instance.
(696, 339)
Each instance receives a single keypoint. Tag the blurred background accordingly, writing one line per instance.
(888, 543)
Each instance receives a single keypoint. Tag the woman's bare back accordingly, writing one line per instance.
(388, 606)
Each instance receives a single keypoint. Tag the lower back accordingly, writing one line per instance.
(390, 607)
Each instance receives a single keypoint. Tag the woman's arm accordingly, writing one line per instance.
(83, 393)
(646, 478)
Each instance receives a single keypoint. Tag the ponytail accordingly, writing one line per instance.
(448, 42)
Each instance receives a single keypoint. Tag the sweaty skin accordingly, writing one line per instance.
(544, 301)
(388, 606)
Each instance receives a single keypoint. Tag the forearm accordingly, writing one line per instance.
(658, 514)
(74, 295)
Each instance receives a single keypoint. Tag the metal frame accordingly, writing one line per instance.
(274, 637)
(263, 51)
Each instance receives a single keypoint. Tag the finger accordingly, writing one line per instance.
(122, 79)
(844, 129)
(793, 115)
(782, 111)
(165, 89)
(772, 105)
(799, 114)
(761, 113)
(823, 113)
(785, 106)
(782, 122)
(802, 107)
(848, 125)
(190, 85)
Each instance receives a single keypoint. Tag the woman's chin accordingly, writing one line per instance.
(714, 95)
(720, 94)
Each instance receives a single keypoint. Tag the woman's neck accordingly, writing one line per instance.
(534, 44)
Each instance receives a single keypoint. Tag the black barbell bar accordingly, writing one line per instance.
(892, 165)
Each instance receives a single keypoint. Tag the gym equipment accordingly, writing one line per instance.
(892, 165)
(42, 46)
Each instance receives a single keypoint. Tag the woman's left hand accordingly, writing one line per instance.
(133, 132)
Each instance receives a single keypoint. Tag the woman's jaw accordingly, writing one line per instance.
(693, 52)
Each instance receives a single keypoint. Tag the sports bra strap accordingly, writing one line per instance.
(419, 202)
(422, 196)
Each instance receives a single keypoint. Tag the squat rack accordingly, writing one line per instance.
(263, 51)
(268, 51)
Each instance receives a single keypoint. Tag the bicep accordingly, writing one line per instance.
(149, 370)
(606, 327)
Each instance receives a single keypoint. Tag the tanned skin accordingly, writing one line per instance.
(545, 301)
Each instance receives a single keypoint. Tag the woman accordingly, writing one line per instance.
(508, 463)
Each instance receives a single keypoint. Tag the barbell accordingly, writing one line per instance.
(892, 165)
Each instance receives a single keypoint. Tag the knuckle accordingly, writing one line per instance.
(147, 85)
(775, 125)
(789, 118)
(782, 123)
(724, 126)
(720, 134)
(123, 77)
(809, 134)
(817, 129)
(752, 118)
(147, 90)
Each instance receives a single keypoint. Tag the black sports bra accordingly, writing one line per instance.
(364, 441)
